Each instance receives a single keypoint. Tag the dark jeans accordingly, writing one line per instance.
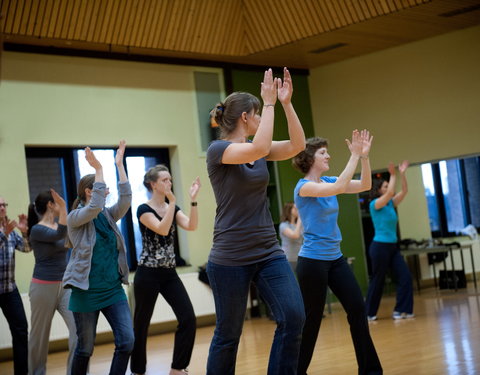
(278, 287)
(148, 283)
(385, 256)
(119, 318)
(314, 276)
(12, 307)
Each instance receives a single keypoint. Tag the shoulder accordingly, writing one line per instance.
(143, 208)
(215, 151)
(283, 225)
(329, 179)
(299, 185)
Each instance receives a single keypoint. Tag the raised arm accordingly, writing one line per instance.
(21, 242)
(321, 189)
(383, 200)
(90, 211)
(282, 150)
(365, 182)
(240, 153)
(398, 198)
(190, 222)
(119, 209)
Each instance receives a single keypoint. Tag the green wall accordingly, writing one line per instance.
(349, 219)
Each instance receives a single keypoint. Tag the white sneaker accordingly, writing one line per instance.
(396, 315)
(372, 318)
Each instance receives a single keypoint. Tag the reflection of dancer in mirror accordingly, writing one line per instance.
(245, 247)
(291, 233)
(156, 271)
(384, 251)
(47, 295)
(98, 265)
(320, 262)
(10, 299)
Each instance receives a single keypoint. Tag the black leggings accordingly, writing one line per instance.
(148, 283)
(314, 276)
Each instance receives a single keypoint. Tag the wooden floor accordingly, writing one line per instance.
(444, 338)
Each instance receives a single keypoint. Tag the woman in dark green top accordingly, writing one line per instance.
(98, 266)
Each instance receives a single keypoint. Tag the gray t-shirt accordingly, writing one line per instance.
(291, 246)
(50, 252)
(244, 232)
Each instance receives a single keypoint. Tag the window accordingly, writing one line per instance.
(452, 189)
(62, 168)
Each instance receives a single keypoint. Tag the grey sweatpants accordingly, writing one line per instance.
(45, 299)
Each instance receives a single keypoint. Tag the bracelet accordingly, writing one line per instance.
(269, 105)
(364, 157)
(193, 204)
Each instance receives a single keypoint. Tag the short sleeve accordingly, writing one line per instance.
(215, 152)
(142, 209)
(283, 226)
(372, 205)
(330, 179)
(300, 183)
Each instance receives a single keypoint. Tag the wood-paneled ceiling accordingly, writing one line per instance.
(294, 33)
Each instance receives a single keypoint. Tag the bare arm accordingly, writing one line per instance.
(190, 222)
(240, 153)
(322, 189)
(282, 150)
(365, 182)
(398, 198)
(383, 200)
(296, 233)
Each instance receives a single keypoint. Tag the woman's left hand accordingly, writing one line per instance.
(403, 166)
(285, 88)
(120, 153)
(366, 142)
(194, 189)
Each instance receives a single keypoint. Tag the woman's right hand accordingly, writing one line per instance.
(391, 168)
(58, 200)
(170, 196)
(356, 144)
(268, 89)
(91, 159)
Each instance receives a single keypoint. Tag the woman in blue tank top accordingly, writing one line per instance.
(320, 262)
(384, 251)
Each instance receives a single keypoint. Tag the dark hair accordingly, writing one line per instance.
(287, 211)
(305, 159)
(38, 208)
(227, 113)
(376, 185)
(152, 175)
(86, 182)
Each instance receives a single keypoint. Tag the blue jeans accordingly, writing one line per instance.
(385, 256)
(277, 285)
(119, 317)
(12, 307)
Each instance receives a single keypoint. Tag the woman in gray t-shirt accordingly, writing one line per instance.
(245, 248)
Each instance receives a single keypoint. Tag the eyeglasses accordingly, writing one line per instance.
(3, 204)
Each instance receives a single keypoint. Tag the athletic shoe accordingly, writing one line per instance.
(409, 316)
(396, 315)
(372, 318)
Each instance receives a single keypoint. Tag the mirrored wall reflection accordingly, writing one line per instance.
(452, 189)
